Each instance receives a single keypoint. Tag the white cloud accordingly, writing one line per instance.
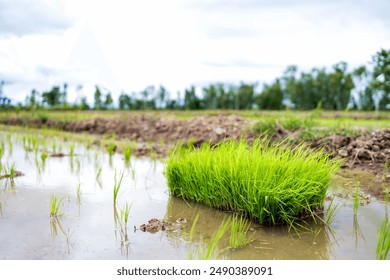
(132, 44)
(23, 17)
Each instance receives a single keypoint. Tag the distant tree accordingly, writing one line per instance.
(365, 100)
(84, 103)
(108, 101)
(191, 101)
(124, 101)
(32, 100)
(52, 98)
(98, 103)
(271, 97)
(381, 77)
(246, 94)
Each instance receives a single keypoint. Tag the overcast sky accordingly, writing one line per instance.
(128, 45)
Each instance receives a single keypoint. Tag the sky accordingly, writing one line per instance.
(129, 45)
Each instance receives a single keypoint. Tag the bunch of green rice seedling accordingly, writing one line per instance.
(272, 184)
(239, 232)
(55, 205)
(383, 240)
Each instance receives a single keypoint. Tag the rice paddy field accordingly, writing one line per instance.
(77, 196)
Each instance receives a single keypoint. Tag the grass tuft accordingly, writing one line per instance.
(55, 206)
(383, 240)
(117, 185)
(239, 232)
(271, 184)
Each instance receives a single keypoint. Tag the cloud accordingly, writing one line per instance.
(25, 17)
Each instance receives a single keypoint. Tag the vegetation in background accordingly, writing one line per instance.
(363, 88)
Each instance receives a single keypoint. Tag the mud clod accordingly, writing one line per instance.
(155, 225)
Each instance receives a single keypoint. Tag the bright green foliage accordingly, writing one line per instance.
(55, 206)
(383, 243)
(239, 231)
(271, 184)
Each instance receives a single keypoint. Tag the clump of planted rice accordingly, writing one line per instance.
(272, 184)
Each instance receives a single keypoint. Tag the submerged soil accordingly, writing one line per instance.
(368, 151)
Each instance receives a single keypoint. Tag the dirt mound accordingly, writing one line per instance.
(162, 131)
(367, 151)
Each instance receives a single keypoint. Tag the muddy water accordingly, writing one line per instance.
(90, 228)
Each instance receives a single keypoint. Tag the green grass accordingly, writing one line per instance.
(272, 184)
(124, 214)
(111, 149)
(55, 205)
(127, 154)
(207, 251)
(239, 232)
(356, 201)
(117, 186)
(383, 240)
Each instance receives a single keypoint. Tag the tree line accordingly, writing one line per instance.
(363, 88)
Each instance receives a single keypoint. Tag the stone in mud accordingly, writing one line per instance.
(343, 153)
(155, 225)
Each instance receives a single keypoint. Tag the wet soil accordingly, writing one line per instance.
(155, 225)
(9, 176)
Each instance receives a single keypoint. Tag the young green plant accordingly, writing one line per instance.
(55, 205)
(273, 184)
(239, 232)
(117, 186)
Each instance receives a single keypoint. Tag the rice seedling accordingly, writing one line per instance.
(2, 148)
(127, 154)
(124, 214)
(383, 240)
(271, 184)
(210, 251)
(239, 232)
(356, 200)
(111, 147)
(43, 157)
(55, 205)
(79, 193)
(71, 150)
(117, 185)
(330, 213)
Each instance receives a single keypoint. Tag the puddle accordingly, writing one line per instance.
(90, 227)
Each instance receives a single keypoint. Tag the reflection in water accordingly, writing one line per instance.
(311, 240)
(120, 222)
(55, 226)
(87, 174)
(357, 232)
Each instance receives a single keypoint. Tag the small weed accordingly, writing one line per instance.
(124, 214)
(55, 206)
(117, 185)
(111, 147)
(239, 231)
(127, 152)
(331, 212)
(71, 150)
(356, 201)
(383, 240)
(210, 251)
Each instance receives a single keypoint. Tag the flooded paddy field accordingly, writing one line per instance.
(104, 204)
